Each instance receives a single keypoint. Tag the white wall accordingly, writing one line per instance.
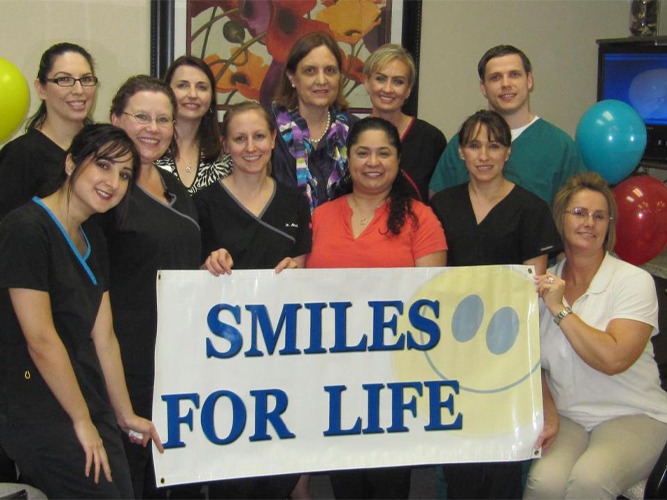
(115, 32)
(558, 35)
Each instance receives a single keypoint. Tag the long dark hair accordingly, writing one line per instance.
(208, 133)
(402, 191)
(45, 66)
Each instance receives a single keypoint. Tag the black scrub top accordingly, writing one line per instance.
(37, 254)
(150, 237)
(282, 230)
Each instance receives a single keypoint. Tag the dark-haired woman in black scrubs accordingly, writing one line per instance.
(62, 390)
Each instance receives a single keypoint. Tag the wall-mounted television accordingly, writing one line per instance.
(634, 70)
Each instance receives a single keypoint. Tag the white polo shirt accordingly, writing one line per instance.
(588, 396)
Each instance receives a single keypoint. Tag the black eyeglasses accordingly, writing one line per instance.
(69, 81)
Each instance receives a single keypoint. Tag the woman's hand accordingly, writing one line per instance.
(551, 417)
(291, 263)
(141, 431)
(286, 263)
(93, 447)
(549, 431)
(551, 289)
(219, 262)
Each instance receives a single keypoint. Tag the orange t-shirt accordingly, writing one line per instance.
(334, 246)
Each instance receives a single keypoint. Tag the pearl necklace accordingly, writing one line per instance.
(315, 142)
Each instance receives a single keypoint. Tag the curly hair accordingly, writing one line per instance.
(402, 192)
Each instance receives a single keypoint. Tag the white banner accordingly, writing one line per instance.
(312, 370)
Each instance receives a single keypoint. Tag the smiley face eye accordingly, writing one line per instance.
(502, 331)
(467, 318)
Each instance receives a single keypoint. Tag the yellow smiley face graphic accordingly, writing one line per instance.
(489, 343)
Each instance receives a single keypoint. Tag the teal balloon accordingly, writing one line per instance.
(611, 136)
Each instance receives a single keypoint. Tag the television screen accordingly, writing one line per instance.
(641, 81)
(634, 71)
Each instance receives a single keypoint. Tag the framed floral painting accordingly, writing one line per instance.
(246, 42)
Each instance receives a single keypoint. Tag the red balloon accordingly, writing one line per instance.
(641, 228)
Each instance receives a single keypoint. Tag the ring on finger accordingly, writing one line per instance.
(550, 280)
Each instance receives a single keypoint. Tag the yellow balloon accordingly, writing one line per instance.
(14, 99)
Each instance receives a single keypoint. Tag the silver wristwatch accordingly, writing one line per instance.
(559, 317)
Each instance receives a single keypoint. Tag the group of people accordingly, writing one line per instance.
(90, 212)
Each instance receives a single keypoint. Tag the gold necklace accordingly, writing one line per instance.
(365, 219)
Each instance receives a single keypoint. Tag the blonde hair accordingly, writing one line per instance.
(586, 181)
(387, 53)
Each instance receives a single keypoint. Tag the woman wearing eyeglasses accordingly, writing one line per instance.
(159, 231)
(597, 317)
(30, 165)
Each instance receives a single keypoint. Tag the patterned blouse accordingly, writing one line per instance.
(207, 173)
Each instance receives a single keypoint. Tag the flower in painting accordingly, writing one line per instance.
(328, 3)
(256, 14)
(244, 74)
(353, 68)
(288, 25)
(351, 20)
(277, 25)
(200, 6)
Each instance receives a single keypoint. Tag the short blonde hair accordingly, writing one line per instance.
(387, 53)
(586, 181)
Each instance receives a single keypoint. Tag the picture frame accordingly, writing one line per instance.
(172, 35)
